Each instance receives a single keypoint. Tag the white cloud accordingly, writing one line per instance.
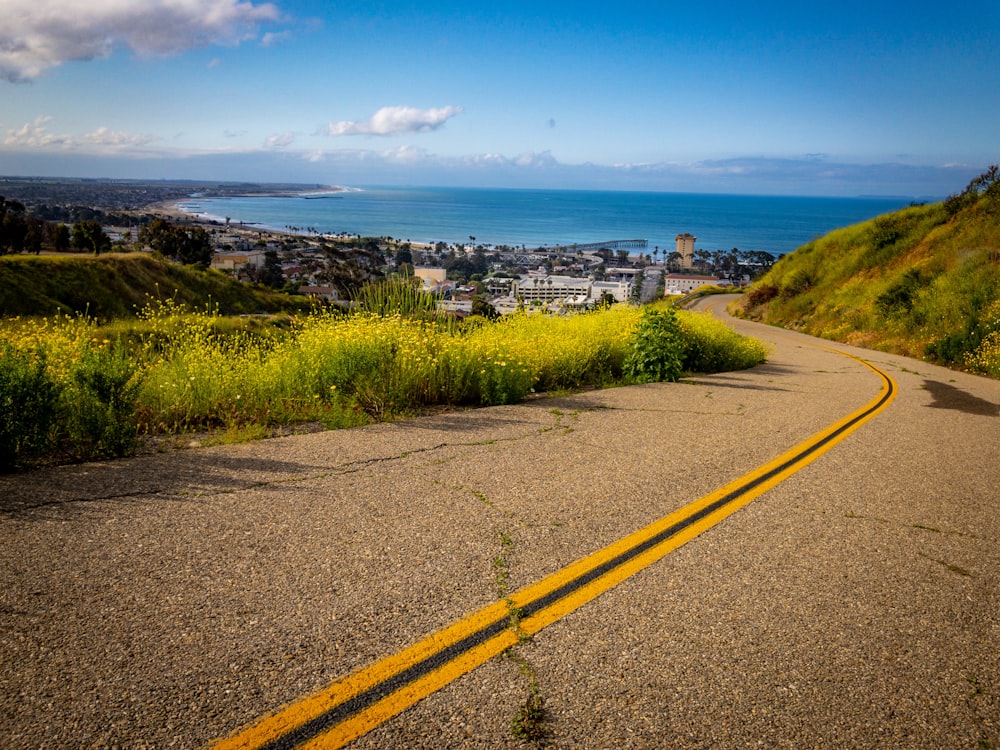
(395, 121)
(272, 38)
(35, 136)
(531, 159)
(279, 141)
(404, 155)
(105, 137)
(527, 159)
(40, 34)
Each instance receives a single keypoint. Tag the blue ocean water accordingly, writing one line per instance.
(536, 218)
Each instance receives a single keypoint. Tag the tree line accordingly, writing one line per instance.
(22, 232)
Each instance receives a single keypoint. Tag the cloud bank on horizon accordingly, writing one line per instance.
(776, 99)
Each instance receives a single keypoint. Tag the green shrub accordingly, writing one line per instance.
(885, 231)
(898, 298)
(100, 403)
(656, 348)
(799, 282)
(28, 399)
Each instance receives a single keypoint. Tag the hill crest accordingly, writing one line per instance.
(117, 285)
(923, 281)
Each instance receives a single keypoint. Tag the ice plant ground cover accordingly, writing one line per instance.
(71, 389)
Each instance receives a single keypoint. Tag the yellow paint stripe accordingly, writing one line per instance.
(396, 703)
(281, 722)
(276, 725)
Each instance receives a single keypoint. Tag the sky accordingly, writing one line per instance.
(779, 98)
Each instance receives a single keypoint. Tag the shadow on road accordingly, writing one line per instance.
(949, 397)
(179, 476)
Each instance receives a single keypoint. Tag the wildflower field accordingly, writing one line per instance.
(71, 389)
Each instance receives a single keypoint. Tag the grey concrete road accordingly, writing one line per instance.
(164, 601)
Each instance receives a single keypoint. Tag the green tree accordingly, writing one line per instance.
(479, 262)
(13, 226)
(270, 273)
(404, 255)
(195, 247)
(34, 235)
(188, 245)
(460, 269)
(985, 185)
(88, 235)
(635, 297)
(159, 235)
(61, 238)
(481, 306)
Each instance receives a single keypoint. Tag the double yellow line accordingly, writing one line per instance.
(356, 704)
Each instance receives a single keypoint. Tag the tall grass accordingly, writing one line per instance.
(179, 370)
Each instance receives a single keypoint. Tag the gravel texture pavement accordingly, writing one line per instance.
(166, 600)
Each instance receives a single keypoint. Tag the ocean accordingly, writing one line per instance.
(537, 218)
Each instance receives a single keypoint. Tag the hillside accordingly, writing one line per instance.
(923, 282)
(117, 285)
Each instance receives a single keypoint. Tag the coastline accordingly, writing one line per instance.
(172, 210)
(531, 219)
(172, 207)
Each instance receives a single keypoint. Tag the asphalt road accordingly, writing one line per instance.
(166, 601)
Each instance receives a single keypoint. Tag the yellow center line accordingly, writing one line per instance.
(356, 704)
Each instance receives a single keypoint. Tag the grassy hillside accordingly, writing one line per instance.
(117, 285)
(923, 281)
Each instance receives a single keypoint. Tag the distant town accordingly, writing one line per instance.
(48, 215)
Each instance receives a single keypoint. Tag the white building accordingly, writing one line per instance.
(550, 288)
(683, 283)
(571, 290)
(620, 290)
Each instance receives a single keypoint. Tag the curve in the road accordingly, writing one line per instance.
(356, 704)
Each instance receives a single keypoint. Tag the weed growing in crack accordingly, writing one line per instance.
(529, 721)
(501, 566)
(953, 568)
(529, 724)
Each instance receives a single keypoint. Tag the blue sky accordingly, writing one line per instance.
(848, 98)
